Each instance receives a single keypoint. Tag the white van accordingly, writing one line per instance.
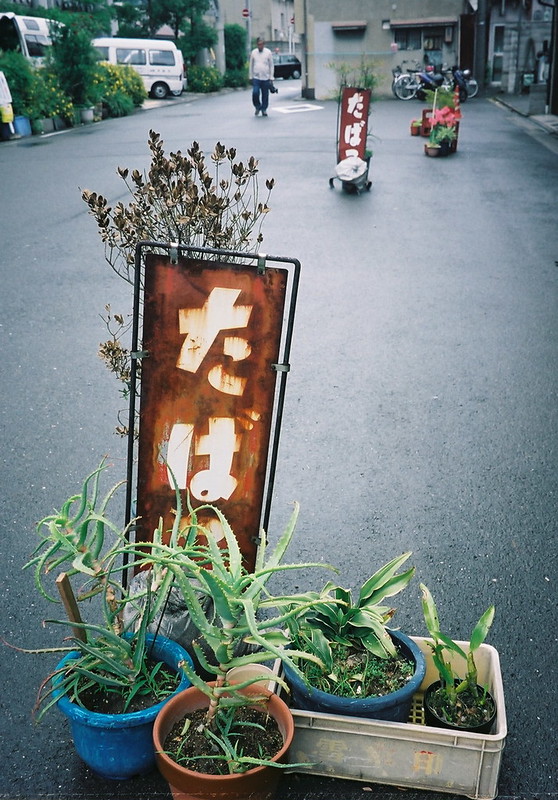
(158, 61)
(27, 35)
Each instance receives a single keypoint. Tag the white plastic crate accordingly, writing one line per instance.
(409, 755)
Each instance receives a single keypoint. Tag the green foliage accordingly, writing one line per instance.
(96, 20)
(362, 75)
(442, 646)
(441, 98)
(21, 80)
(235, 47)
(199, 36)
(204, 79)
(350, 639)
(361, 624)
(79, 540)
(49, 98)
(131, 21)
(442, 133)
(236, 78)
(74, 59)
(119, 87)
(242, 610)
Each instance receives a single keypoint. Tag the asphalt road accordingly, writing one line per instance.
(421, 408)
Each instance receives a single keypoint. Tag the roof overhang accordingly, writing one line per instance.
(352, 25)
(427, 22)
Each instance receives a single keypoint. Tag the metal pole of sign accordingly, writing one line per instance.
(282, 368)
(132, 408)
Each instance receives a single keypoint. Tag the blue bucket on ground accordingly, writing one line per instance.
(22, 126)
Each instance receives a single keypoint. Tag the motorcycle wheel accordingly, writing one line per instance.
(472, 88)
(405, 88)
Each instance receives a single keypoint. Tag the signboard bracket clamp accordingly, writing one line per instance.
(139, 354)
(261, 266)
(173, 252)
(281, 367)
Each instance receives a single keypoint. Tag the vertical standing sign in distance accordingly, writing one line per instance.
(211, 334)
(353, 122)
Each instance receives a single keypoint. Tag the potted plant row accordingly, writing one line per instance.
(214, 735)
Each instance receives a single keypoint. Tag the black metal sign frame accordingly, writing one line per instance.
(228, 258)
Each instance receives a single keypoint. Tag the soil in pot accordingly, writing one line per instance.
(258, 737)
(358, 673)
(103, 700)
(393, 705)
(467, 715)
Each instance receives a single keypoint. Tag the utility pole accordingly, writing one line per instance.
(481, 43)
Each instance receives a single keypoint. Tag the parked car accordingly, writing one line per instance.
(158, 61)
(287, 66)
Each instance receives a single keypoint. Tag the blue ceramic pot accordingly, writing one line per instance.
(119, 746)
(394, 707)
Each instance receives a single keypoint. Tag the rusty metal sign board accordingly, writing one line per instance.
(211, 339)
(353, 122)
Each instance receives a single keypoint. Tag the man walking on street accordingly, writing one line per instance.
(261, 75)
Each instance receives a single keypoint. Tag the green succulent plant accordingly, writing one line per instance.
(79, 541)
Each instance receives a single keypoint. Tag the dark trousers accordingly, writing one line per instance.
(260, 87)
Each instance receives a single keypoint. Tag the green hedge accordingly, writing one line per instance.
(204, 79)
(36, 92)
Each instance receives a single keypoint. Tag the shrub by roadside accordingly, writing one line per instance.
(119, 88)
(204, 79)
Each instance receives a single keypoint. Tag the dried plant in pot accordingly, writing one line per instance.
(185, 198)
(456, 700)
(364, 669)
(113, 679)
(204, 740)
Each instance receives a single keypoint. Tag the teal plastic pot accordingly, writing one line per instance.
(119, 746)
(394, 707)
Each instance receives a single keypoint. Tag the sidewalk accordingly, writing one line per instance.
(521, 103)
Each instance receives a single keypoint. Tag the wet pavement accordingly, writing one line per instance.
(421, 408)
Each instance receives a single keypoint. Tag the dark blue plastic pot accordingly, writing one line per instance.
(119, 746)
(394, 707)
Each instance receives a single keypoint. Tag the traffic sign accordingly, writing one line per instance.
(245, 12)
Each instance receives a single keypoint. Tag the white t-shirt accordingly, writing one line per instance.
(261, 64)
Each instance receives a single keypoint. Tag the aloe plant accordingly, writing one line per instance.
(452, 685)
(80, 541)
(242, 612)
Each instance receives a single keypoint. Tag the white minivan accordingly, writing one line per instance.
(158, 61)
(28, 35)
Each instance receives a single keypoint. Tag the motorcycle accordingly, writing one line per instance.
(459, 79)
(428, 79)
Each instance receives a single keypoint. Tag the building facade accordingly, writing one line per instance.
(506, 43)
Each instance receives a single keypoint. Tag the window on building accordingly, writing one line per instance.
(408, 38)
(433, 38)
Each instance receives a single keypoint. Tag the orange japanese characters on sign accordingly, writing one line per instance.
(212, 334)
(353, 122)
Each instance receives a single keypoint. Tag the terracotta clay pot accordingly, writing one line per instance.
(259, 783)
